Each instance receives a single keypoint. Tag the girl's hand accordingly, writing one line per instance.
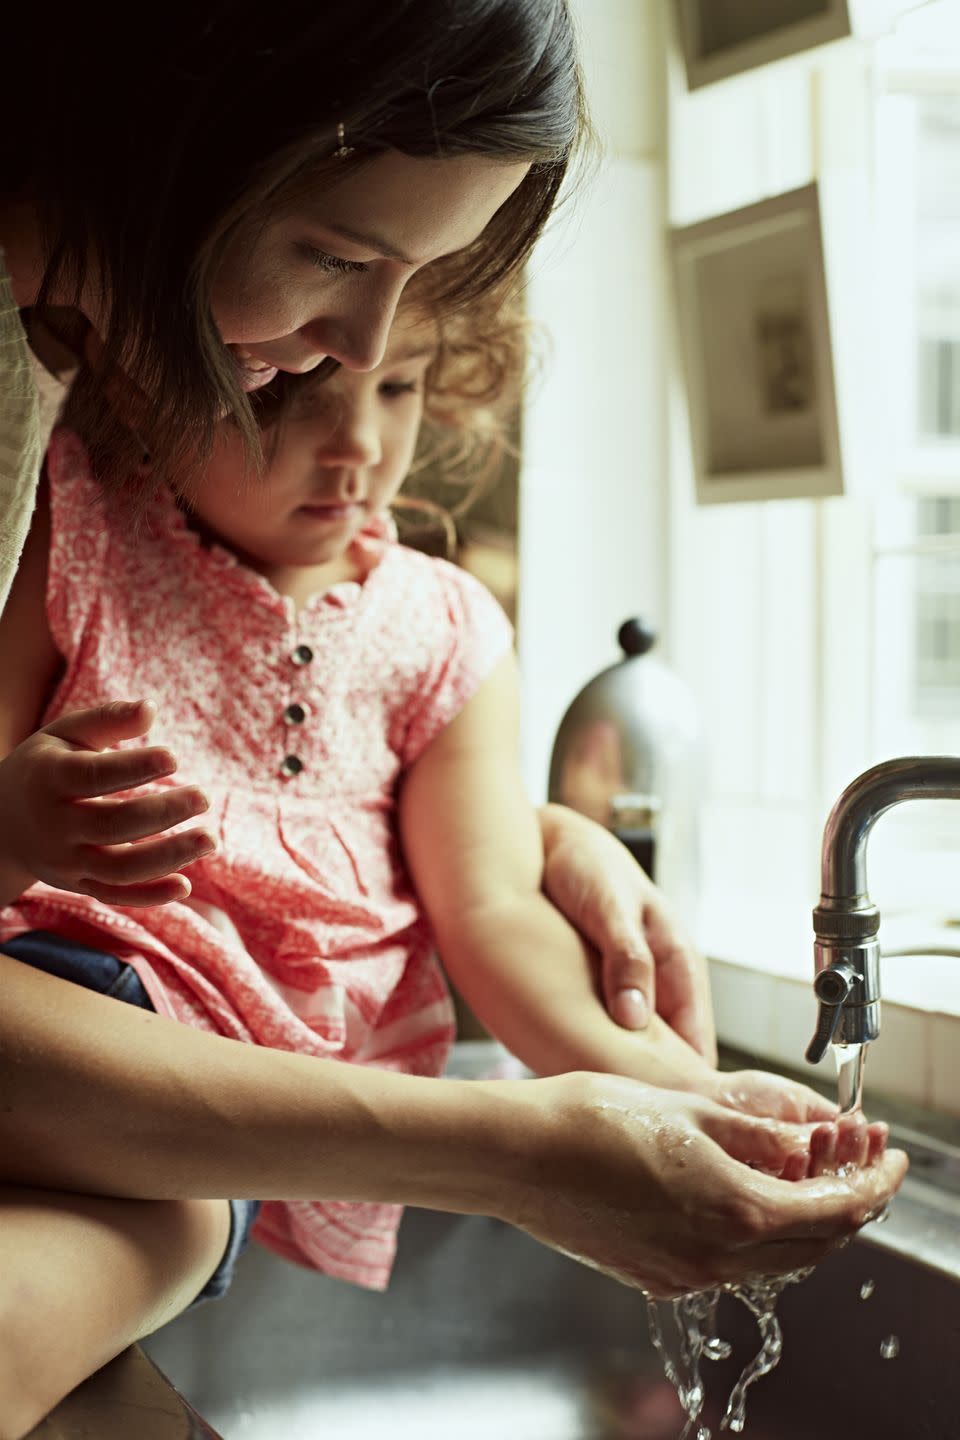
(673, 1193)
(59, 828)
(648, 965)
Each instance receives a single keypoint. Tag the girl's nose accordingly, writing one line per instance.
(352, 440)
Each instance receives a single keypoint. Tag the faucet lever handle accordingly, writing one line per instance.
(832, 988)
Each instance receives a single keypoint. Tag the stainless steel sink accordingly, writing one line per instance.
(484, 1335)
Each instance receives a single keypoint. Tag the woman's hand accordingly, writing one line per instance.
(60, 827)
(758, 1092)
(648, 964)
(672, 1192)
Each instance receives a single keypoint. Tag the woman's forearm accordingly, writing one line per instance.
(102, 1097)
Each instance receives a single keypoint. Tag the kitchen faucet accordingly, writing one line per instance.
(846, 924)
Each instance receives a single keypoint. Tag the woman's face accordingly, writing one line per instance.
(324, 279)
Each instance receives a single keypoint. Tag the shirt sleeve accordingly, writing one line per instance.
(474, 637)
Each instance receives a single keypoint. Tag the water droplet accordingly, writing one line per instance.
(890, 1348)
(882, 1216)
(867, 1289)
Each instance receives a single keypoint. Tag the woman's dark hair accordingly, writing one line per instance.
(145, 137)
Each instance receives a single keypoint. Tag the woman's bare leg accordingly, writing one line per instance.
(83, 1277)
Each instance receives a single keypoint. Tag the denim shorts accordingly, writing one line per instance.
(99, 971)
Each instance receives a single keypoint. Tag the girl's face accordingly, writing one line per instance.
(324, 278)
(339, 457)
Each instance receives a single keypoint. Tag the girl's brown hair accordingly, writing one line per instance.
(143, 151)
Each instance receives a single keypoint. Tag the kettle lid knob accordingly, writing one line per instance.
(636, 636)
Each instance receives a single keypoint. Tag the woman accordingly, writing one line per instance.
(204, 218)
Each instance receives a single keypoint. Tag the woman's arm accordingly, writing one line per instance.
(661, 1190)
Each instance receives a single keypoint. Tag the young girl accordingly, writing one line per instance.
(349, 708)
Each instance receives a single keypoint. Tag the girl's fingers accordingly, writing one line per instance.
(149, 860)
(115, 822)
(88, 774)
(104, 725)
(156, 892)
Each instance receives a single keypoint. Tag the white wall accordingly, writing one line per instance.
(593, 487)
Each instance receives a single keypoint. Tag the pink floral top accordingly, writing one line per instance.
(303, 931)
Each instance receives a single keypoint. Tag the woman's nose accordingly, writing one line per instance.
(358, 337)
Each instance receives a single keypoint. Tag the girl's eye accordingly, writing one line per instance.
(392, 388)
(332, 264)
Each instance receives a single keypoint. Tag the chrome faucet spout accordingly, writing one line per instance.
(846, 925)
(843, 869)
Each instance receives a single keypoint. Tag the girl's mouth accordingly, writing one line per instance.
(331, 513)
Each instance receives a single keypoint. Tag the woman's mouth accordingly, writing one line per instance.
(253, 373)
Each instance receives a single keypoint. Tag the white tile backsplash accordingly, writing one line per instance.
(916, 1059)
(744, 1008)
(945, 1064)
(899, 1062)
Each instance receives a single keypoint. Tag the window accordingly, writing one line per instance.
(824, 636)
(936, 631)
(937, 218)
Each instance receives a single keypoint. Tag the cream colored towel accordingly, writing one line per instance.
(30, 400)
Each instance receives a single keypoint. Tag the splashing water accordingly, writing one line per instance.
(695, 1320)
(695, 1315)
(760, 1297)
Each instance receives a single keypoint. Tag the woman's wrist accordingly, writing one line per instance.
(473, 1147)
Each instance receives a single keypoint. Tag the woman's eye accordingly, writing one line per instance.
(332, 264)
